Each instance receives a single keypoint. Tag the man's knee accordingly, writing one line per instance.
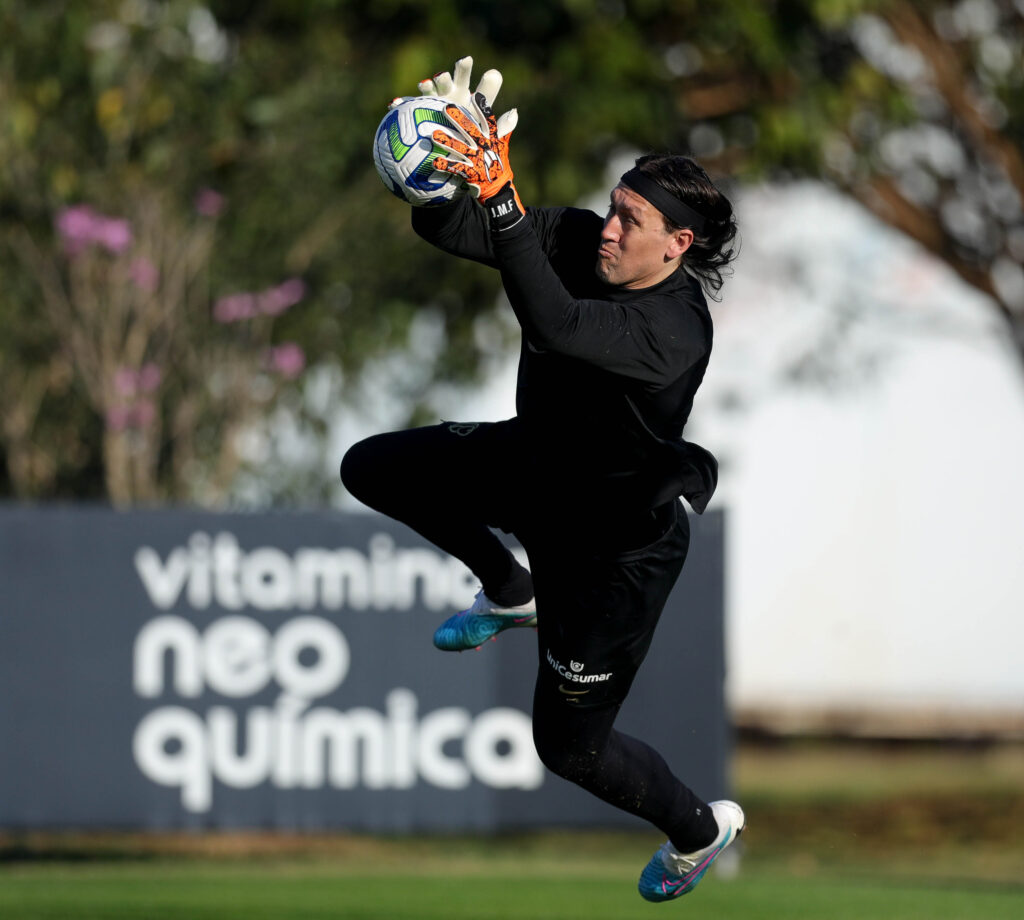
(570, 757)
(352, 467)
(561, 760)
(362, 465)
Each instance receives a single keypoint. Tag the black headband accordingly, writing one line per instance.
(682, 215)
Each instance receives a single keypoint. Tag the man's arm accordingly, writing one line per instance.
(654, 343)
(653, 339)
(459, 229)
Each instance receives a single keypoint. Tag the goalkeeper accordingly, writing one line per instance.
(616, 336)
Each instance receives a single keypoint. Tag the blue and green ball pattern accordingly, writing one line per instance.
(407, 169)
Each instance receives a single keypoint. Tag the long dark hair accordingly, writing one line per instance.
(713, 248)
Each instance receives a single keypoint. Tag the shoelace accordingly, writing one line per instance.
(481, 603)
(681, 863)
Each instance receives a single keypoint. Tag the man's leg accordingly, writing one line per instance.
(596, 617)
(581, 746)
(447, 482)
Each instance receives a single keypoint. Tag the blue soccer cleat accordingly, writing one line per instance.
(484, 620)
(671, 874)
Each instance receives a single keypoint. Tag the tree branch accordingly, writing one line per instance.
(911, 28)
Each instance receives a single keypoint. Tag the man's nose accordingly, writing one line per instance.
(611, 229)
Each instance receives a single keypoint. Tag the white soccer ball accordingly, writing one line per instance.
(404, 151)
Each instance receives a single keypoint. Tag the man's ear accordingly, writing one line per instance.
(680, 241)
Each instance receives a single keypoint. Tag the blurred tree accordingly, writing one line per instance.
(230, 143)
(916, 109)
(137, 115)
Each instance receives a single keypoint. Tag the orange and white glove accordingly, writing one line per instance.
(455, 88)
(484, 166)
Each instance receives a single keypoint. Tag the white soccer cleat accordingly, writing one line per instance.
(671, 874)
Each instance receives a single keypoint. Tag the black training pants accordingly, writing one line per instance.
(600, 587)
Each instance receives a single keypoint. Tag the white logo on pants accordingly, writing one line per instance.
(573, 672)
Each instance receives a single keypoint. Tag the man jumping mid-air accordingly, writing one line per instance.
(616, 337)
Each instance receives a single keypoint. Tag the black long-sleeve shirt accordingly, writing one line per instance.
(604, 371)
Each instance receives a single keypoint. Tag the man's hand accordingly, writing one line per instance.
(485, 166)
(456, 89)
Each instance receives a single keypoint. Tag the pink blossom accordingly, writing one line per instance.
(234, 307)
(273, 301)
(209, 202)
(149, 377)
(144, 274)
(113, 233)
(76, 226)
(76, 223)
(287, 359)
(136, 415)
(277, 299)
(130, 382)
(81, 225)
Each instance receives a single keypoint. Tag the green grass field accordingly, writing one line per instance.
(833, 833)
(526, 888)
(270, 893)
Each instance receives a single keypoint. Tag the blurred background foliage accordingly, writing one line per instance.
(194, 243)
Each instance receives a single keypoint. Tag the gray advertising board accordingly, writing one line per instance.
(180, 669)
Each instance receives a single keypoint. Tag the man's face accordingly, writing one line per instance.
(636, 249)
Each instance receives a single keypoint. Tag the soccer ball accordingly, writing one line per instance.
(404, 151)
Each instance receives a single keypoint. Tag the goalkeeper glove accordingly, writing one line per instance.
(485, 166)
(456, 88)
